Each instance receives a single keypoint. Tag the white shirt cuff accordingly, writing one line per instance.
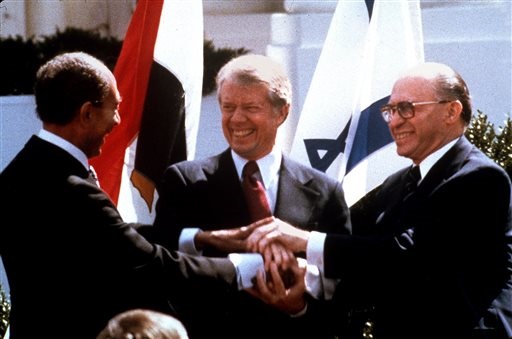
(315, 250)
(247, 266)
(317, 284)
(186, 241)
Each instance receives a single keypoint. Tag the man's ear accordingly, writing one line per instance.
(85, 113)
(454, 111)
(283, 113)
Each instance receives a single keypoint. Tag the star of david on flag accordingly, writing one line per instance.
(340, 129)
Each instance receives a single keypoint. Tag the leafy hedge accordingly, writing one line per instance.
(497, 145)
(25, 56)
(5, 309)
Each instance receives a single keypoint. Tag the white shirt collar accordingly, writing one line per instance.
(269, 165)
(65, 145)
(430, 160)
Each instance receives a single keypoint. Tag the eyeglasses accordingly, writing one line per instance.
(405, 109)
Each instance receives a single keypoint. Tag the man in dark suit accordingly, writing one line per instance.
(254, 95)
(71, 261)
(434, 259)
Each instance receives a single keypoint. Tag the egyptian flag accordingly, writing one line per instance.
(159, 75)
(367, 46)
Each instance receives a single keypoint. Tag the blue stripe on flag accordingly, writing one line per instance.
(369, 7)
(372, 133)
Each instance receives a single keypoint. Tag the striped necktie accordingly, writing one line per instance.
(412, 178)
(92, 176)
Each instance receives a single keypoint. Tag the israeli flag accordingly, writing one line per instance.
(340, 130)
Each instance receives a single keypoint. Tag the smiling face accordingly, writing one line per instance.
(249, 121)
(429, 129)
(103, 118)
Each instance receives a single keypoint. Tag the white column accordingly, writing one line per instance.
(12, 18)
(43, 17)
(296, 41)
(119, 14)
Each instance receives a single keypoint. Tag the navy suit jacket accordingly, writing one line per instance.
(71, 261)
(438, 264)
(208, 194)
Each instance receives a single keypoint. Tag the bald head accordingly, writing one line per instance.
(445, 82)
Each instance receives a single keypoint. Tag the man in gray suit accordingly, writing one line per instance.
(432, 258)
(199, 201)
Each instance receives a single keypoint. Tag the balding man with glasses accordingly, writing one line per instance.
(432, 259)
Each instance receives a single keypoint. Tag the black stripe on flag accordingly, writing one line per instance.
(161, 140)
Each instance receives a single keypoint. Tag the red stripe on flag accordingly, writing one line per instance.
(132, 73)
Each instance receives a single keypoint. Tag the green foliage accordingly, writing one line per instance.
(106, 49)
(214, 59)
(24, 56)
(19, 59)
(5, 309)
(496, 145)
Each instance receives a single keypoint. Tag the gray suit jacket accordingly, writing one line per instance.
(207, 194)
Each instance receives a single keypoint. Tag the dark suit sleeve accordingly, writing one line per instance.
(449, 244)
(338, 211)
(173, 196)
(134, 251)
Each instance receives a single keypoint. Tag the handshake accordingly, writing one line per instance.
(282, 283)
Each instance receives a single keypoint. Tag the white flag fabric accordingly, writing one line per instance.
(340, 129)
(160, 74)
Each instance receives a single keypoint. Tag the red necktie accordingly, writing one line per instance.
(254, 192)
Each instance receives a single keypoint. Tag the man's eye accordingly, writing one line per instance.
(253, 109)
(228, 108)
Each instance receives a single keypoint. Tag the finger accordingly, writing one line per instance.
(276, 254)
(261, 222)
(289, 259)
(262, 286)
(279, 287)
(299, 274)
(258, 236)
(267, 258)
(271, 237)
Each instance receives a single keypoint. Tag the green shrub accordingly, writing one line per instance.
(25, 56)
(5, 309)
(497, 145)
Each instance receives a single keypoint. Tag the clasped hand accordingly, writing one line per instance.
(282, 285)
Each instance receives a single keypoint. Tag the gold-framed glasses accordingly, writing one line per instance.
(405, 109)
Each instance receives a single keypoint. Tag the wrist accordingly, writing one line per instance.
(201, 239)
(302, 242)
(301, 311)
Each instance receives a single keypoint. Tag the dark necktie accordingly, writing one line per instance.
(254, 192)
(412, 179)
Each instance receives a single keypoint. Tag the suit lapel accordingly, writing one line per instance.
(448, 165)
(295, 198)
(227, 194)
(443, 169)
